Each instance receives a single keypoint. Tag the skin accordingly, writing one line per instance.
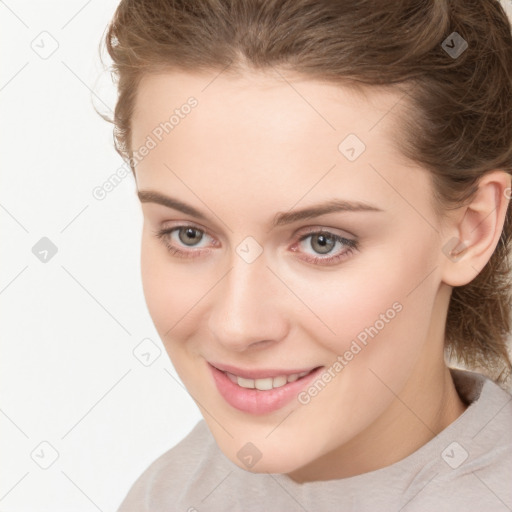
(254, 147)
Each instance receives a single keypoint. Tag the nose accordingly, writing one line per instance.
(248, 307)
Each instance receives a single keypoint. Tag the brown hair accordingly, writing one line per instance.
(459, 121)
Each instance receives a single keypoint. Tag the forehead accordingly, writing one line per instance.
(263, 131)
(265, 98)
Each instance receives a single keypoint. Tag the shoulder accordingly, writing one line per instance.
(168, 475)
(470, 467)
(487, 422)
(490, 405)
(489, 437)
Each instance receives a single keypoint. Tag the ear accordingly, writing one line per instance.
(472, 233)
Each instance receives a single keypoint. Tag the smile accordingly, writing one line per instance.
(265, 384)
(261, 395)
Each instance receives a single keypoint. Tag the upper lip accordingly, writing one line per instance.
(262, 373)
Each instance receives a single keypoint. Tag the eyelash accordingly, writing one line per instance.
(350, 245)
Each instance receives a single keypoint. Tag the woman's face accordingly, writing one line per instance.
(293, 237)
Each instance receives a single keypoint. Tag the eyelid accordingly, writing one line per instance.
(323, 229)
(168, 225)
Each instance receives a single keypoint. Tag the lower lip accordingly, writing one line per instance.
(255, 401)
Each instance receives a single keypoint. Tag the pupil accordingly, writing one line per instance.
(189, 236)
(324, 243)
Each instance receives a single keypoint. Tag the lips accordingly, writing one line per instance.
(260, 401)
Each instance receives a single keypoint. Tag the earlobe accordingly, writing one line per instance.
(471, 238)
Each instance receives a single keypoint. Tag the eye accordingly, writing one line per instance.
(190, 236)
(179, 238)
(328, 248)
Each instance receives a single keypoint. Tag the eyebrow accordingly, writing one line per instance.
(332, 206)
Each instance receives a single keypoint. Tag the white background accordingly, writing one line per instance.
(69, 325)
(69, 376)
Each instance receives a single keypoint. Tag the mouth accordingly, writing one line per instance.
(263, 394)
(267, 383)
(262, 373)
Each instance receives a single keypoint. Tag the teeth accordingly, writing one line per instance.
(277, 382)
(265, 384)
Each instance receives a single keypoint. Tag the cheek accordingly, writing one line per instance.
(168, 289)
(383, 298)
(378, 300)
(371, 354)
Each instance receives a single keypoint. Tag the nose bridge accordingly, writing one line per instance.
(245, 308)
(242, 293)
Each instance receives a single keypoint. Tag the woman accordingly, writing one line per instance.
(325, 190)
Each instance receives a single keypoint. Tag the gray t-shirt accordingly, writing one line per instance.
(466, 467)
